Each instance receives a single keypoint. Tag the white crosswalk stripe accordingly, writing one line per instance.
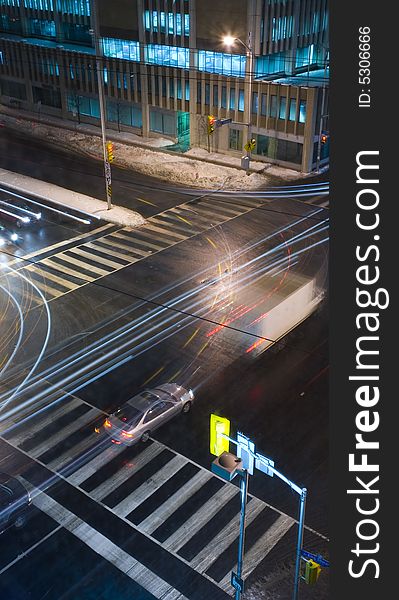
(115, 489)
(67, 268)
(105, 548)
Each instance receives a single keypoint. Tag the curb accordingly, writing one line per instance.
(65, 125)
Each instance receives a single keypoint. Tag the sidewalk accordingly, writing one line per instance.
(55, 194)
(196, 168)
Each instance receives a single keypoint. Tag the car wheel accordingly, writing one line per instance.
(186, 407)
(146, 436)
(20, 521)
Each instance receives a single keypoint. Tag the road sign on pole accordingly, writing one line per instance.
(219, 444)
(250, 145)
(244, 450)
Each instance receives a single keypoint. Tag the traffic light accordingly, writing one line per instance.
(110, 152)
(324, 138)
(312, 572)
(211, 124)
(226, 466)
(219, 444)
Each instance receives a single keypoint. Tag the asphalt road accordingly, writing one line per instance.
(153, 314)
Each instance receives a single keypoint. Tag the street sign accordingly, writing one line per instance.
(237, 582)
(250, 145)
(221, 122)
(244, 449)
(264, 465)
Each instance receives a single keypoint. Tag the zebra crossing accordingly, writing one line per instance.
(179, 505)
(68, 268)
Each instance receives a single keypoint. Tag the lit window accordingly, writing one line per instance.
(124, 49)
(283, 108)
(39, 4)
(224, 64)
(302, 111)
(171, 56)
(292, 113)
(156, 21)
(74, 7)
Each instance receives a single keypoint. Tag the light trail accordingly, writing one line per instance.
(56, 210)
(99, 344)
(21, 329)
(154, 340)
(4, 403)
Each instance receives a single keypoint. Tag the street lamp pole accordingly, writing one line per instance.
(249, 72)
(99, 67)
(243, 494)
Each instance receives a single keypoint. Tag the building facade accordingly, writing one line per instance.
(166, 67)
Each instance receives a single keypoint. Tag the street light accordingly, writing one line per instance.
(229, 41)
(107, 167)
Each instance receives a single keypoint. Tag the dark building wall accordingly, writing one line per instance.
(217, 18)
(118, 19)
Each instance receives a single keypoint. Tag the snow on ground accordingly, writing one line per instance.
(166, 166)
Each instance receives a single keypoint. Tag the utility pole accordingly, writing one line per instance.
(99, 68)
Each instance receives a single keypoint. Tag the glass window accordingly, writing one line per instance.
(172, 56)
(215, 95)
(219, 62)
(232, 99)
(292, 114)
(302, 111)
(273, 106)
(283, 150)
(11, 24)
(179, 89)
(125, 49)
(187, 90)
(235, 139)
(39, 4)
(74, 7)
(255, 103)
(224, 97)
(263, 105)
(163, 122)
(166, 22)
(199, 92)
(241, 100)
(42, 27)
(283, 107)
(207, 93)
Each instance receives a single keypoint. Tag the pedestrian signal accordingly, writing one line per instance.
(219, 444)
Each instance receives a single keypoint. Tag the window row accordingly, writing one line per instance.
(169, 88)
(272, 106)
(176, 56)
(172, 23)
(235, 101)
(277, 149)
(73, 7)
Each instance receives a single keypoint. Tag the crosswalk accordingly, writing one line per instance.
(182, 507)
(68, 268)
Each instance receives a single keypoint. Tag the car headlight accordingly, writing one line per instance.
(14, 237)
(191, 394)
(2, 242)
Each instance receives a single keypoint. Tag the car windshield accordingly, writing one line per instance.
(129, 414)
(143, 401)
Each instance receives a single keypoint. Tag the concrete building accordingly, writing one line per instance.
(166, 67)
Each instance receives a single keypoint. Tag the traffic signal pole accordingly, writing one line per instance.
(244, 495)
(250, 460)
(99, 69)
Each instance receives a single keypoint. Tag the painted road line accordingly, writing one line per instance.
(49, 416)
(94, 464)
(110, 249)
(200, 518)
(105, 548)
(156, 518)
(98, 259)
(65, 270)
(63, 243)
(30, 549)
(211, 552)
(133, 500)
(260, 549)
(52, 440)
(81, 264)
(45, 275)
(110, 484)
(173, 236)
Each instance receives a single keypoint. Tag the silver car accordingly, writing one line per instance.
(141, 415)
